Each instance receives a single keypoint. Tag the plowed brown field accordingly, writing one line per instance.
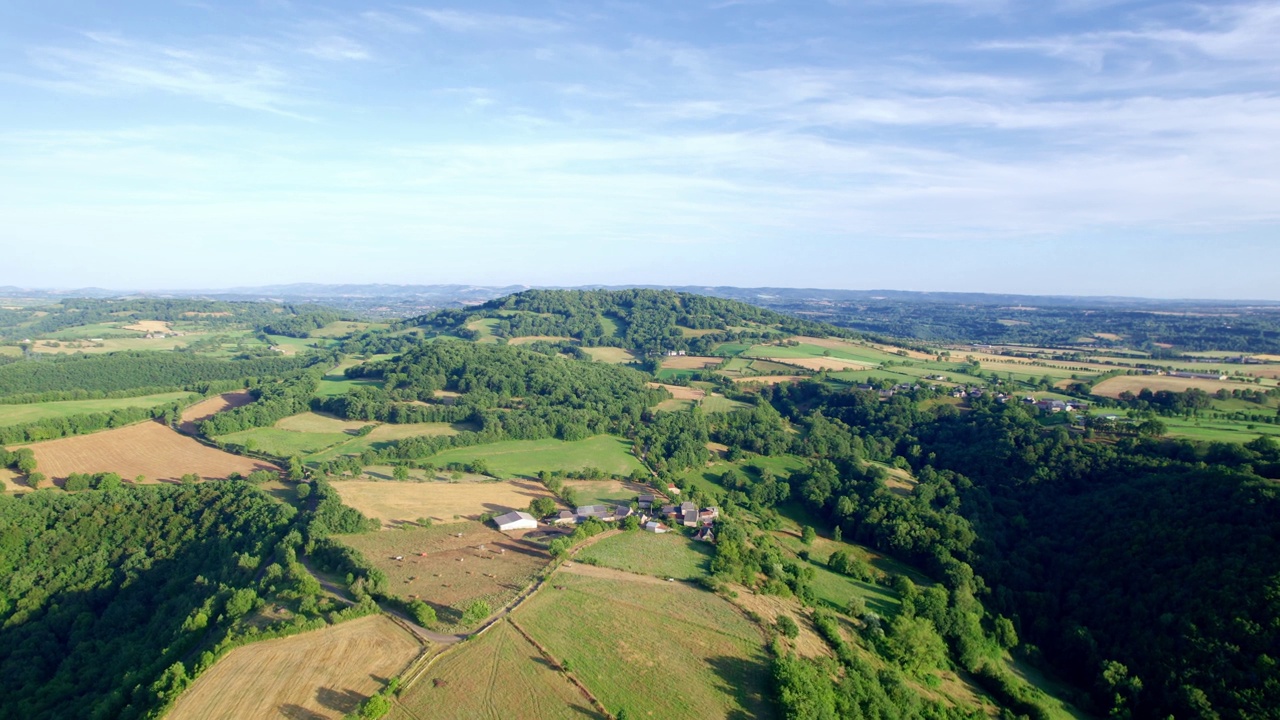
(148, 449)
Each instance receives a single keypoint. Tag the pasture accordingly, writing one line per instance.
(525, 458)
(496, 676)
(301, 434)
(451, 566)
(1112, 387)
(401, 502)
(669, 555)
(821, 363)
(625, 635)
(681, 392)
(324, 673)
(209, 407)
(690, 362)
(149, 449)
(606, 492)
(769, 379)
(32, 412)
(716, 403)
(342, 328)
(618, 356)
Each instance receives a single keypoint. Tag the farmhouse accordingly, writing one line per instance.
(705, 534)
(565, 517)
(515, 521)
(591, 511)
(646, 501)
(621, 512)
(654, 526)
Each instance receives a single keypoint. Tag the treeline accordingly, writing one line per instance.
(647, 322)
(53, 428)
(75, 312)
(105, 593)
(131, 371)
(1141, 570)
(273, 400)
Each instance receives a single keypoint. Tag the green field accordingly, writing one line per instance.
(344, 327)
(669, 555)
(383, 435)
(720, 404)
(334, 388)
(285, 443)
(32, 412)
(652, 649)
(1218, 430)
(496, 676)
(524, 458)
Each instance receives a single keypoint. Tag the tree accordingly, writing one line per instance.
(423, 613)
(476, 612)
(808, 534)
(787, 626)
(400, 473)
(542, 507)
(837, 534)
(35, 480)
(26, 463)
(303, 490)
(296, 469)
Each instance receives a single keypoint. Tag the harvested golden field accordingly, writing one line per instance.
(9, 481)
(320, 674)
(1112, 387)
(149, 449)
(496, 676)
(769, 379)
(1268, 358)
(690, 362)
(206, 409)
(822, 363)
(149, 326)
(611, 355)
(397, 502)
(681, 392)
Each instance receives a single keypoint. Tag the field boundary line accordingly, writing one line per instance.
(591, 698)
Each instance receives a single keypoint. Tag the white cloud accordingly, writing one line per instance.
(336, 47)
(460, 21)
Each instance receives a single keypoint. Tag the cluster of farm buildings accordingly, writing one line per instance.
(646, 511)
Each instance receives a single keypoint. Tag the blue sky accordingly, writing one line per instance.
(1052, 147)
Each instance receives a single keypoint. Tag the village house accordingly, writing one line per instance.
(705, 534)
(654, 526)
(646, 501)
(565, 517)
(591, 511)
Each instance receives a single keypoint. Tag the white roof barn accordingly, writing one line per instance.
(515, 521)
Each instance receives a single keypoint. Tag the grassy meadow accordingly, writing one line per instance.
(32, 412)
(525, 458)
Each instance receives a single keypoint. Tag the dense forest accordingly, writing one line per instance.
(291, 320)
(105, 594)
(1144, 571)
(53, 378)
(647, 322)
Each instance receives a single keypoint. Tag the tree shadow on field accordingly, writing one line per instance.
(744, 679)
(587, 711)
(297, 712)
(344, 701)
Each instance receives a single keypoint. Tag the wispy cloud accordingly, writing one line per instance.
(336, 47)
(461, 21)
(107, 64)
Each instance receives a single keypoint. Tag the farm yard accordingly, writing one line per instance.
(324, 673)
(651, 648)
(149, 449)
(497, 676)
(451, 566)
(17, 414)
(525, 458)
(403, 502)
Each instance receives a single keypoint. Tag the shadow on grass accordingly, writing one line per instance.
(746, 680)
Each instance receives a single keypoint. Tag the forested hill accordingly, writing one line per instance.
(648, 322)
(274, 318)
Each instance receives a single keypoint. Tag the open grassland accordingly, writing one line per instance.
(292, 346)
(484, 329)
(148, 326)
(525, 458)
(670, 555)
(808, 643)
(324, 673)
(606, 492)
(690, 362)
(611, 355)
(335, 386)
(284, 443)
(309, 422)
(342, 328)
(451, 566)
(400, 502)
(526, 339)
(681, 392)
(716, 403)
(148, 449)
(651, 648)
(497, 676)
(383, 435)
(768, 379)
(1112, 387)
(32, 412)
(821, 363)
(209, 407)
(1218, 430)
(108, 344)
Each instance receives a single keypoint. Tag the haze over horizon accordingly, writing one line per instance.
(1070, 147)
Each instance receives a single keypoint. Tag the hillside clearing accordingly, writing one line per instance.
(615, 355)
(681, 392)
(525, 458)
(690, 362)
(149, 449)
(399, 502)
(325, 673)
(207, 408)
(623, 638)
